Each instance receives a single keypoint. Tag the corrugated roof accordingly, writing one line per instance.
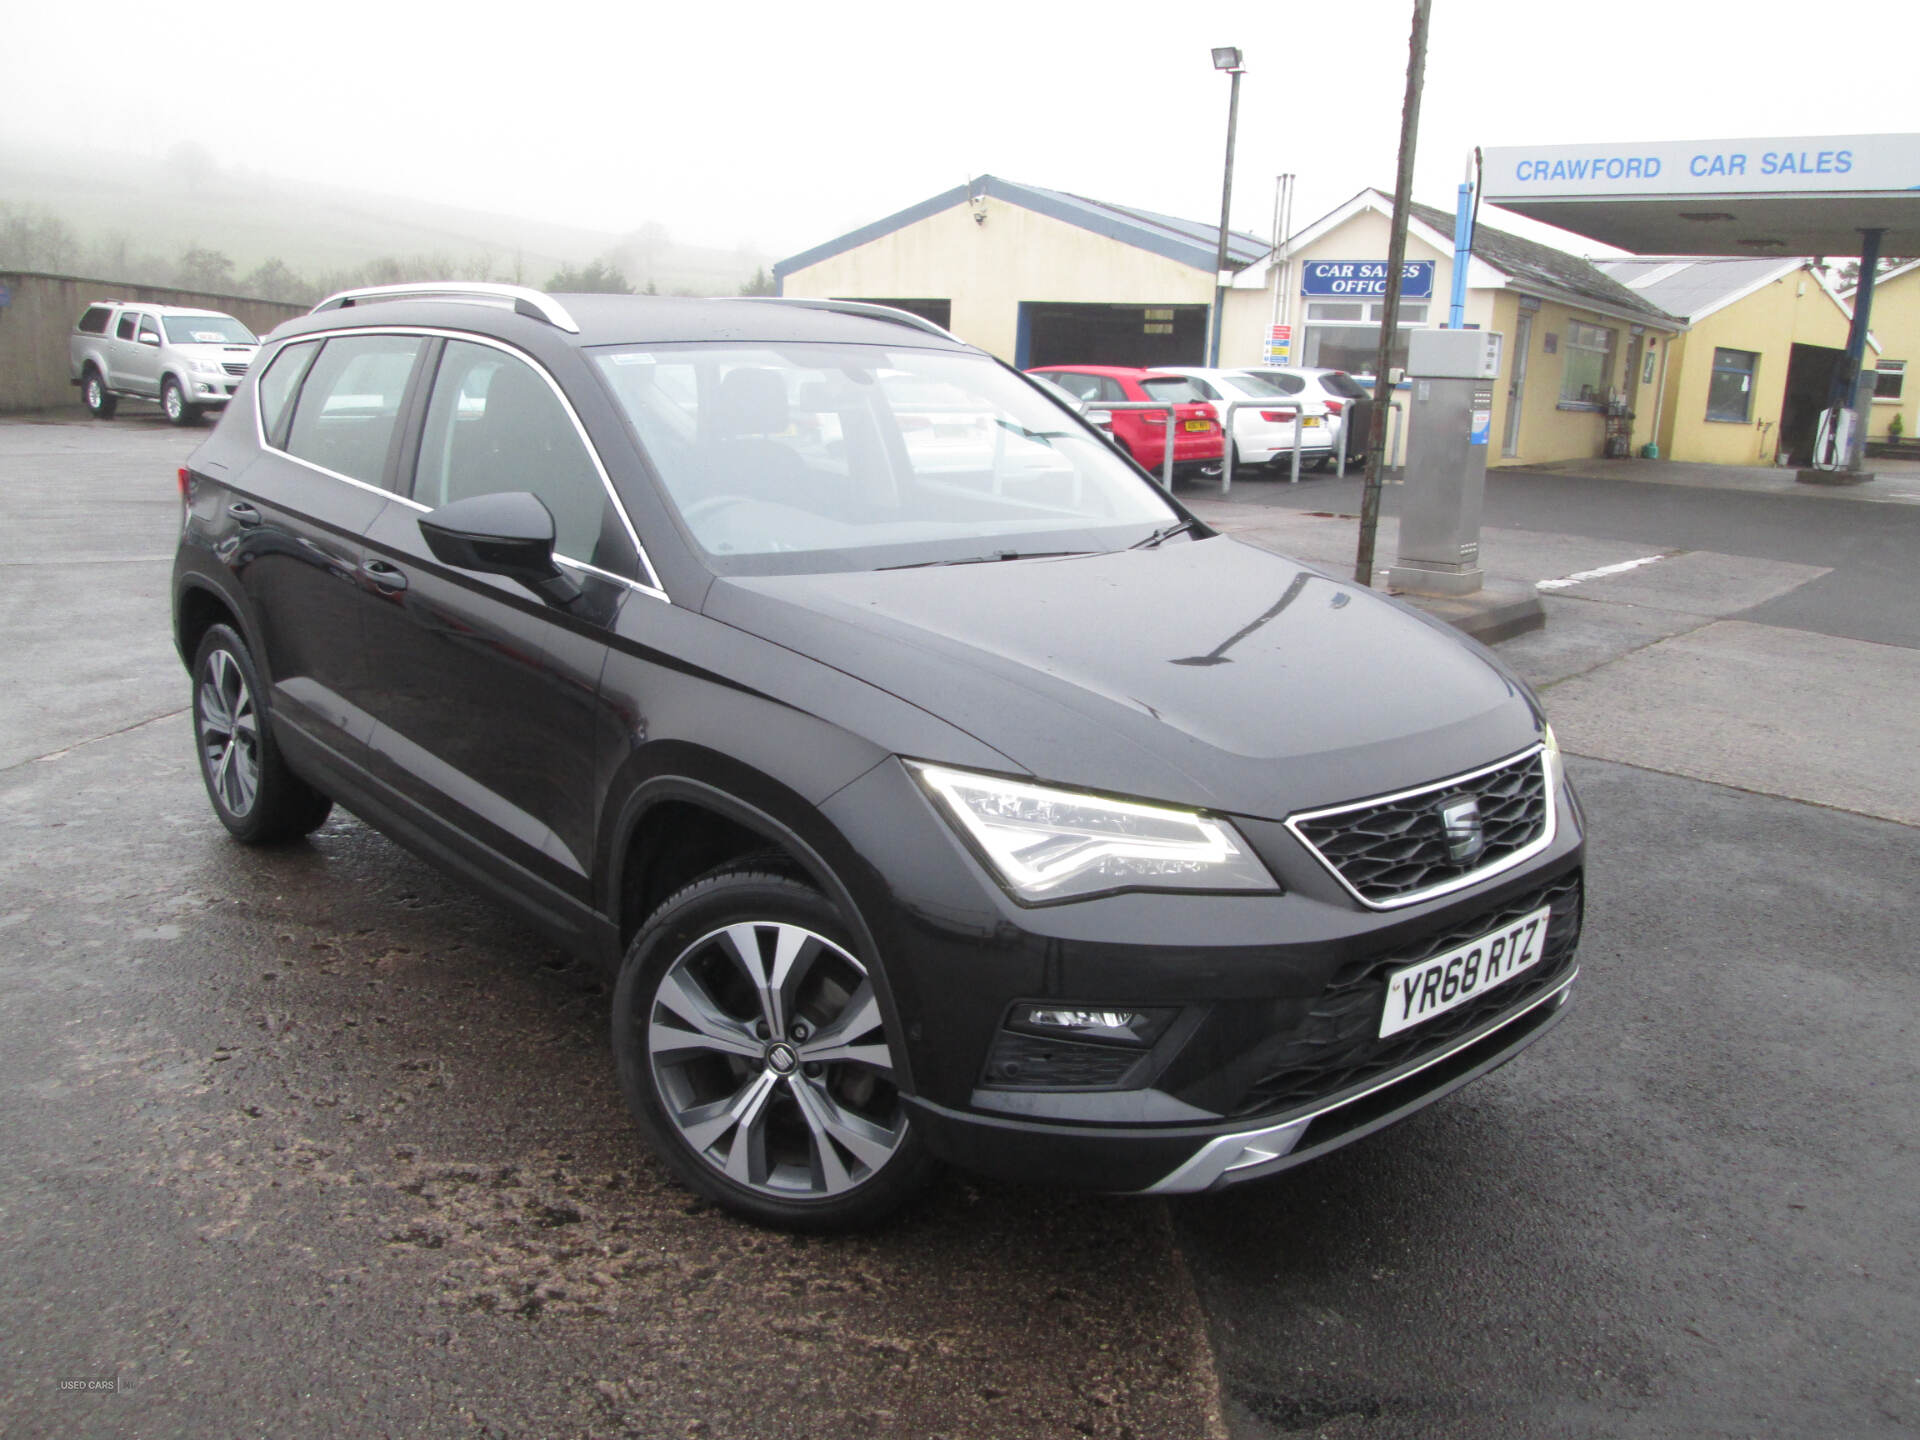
(1191, 242)
(1694, 285)
(1552, 269)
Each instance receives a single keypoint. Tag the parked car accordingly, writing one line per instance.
(1264, 436)
(1348, 400)
(187, 360)
(998, 812)
(1198, 441)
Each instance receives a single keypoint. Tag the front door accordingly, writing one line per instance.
(485, 690)
(1517, 383)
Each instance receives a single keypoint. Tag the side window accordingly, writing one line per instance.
(494, 424)
(344, 417)
(124, 331)
(1110, 389)
(277, 385)
(94, 322)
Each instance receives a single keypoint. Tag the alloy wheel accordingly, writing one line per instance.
(769, 1060)
(229, 734)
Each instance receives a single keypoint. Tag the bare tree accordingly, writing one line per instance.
(203, 269)
(32, 239)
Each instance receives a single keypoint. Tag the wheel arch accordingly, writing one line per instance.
(675, 826)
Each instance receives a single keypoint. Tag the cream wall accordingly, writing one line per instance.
(1547, 431)
(1791, 310)
(1895, 323)
(986, 270)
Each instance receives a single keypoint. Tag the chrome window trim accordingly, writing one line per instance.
(1220, 1156)
(1446, 887)
(651, 586)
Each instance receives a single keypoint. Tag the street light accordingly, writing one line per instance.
(1227, 58)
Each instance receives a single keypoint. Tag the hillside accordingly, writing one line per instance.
(156, 209)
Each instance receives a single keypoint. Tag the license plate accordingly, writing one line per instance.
(1310, 422)
(1417, 993)
(1198, 424)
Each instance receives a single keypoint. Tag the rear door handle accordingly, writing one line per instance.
(244, 513)
(384, 576)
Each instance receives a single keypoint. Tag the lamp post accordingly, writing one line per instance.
(1227, 58)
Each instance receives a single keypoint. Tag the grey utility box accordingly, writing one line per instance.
(1450, 421)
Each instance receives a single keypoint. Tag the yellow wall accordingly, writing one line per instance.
(1895, 323)
(987, 269)
(1549, 431)
(1791, 310)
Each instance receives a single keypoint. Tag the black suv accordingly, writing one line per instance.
(933, 783)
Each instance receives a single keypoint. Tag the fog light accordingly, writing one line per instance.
(1135, 1027)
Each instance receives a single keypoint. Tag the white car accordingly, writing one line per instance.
(1262, 436)
(1335, 389)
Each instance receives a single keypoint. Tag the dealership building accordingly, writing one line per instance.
(1040, 277)
(1723, 357)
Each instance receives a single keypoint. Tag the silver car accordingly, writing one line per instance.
(186, 360)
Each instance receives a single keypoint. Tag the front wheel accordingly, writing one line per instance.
(173, 401)
(755, 1060)
(256, 796)
(100, 402)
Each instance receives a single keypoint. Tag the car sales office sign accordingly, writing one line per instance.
(1365, 279)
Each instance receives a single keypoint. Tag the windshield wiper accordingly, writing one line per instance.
(1166, 532)
(997, 555)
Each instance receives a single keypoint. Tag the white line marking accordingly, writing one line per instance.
(1574, 579)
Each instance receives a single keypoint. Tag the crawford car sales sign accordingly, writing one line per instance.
(1365, 279)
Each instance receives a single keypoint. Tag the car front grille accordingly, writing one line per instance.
(1338, 1045)
(234, 367)
(1393, 851)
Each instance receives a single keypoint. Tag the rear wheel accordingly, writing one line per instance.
(173, 400)
(256, 796)
(755, 1060)
(93, 391)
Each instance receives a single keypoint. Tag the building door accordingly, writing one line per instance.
(1810, 370)
(1517, 383)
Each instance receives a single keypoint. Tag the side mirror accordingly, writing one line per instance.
(150, 337)
(508, 534)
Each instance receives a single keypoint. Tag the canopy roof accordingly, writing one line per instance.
(1804, 195)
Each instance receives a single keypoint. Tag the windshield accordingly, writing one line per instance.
(806, 457)
(207, 330)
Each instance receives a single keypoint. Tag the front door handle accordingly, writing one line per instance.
(244, 513)
(384, 576)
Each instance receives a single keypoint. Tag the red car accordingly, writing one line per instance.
(1197, 437)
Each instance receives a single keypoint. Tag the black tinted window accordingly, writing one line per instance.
(94, 322)
(349, 403)
(279, 382)
(125, 329)
(493, 425)
(1338, 382)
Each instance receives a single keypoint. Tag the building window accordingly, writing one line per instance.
(1730, 392)
(1345, 334)
(1588, 368)
(1888, 379)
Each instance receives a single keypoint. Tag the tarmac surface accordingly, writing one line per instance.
(313, 1142)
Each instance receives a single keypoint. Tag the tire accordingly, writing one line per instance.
(725, 994)
(258, 799)
(100, 402)
(174, 403)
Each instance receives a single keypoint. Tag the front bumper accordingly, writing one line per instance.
(1185, 1160)
(1273, 1056)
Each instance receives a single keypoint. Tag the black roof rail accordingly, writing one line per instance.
(518, 298)
(857, 307)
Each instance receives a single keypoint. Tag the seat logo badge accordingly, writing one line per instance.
(1466, 837)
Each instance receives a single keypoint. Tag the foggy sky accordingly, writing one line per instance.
(782, 126)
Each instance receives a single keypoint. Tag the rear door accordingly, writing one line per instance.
(329, 413)
(482, 690)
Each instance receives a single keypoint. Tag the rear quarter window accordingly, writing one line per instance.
(277, 386)
(94, 322)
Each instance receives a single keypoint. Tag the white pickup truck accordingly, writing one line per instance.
(187, 360)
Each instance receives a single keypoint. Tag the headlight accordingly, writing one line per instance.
(1051, 844)
(1556, 767)
(206, 367)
